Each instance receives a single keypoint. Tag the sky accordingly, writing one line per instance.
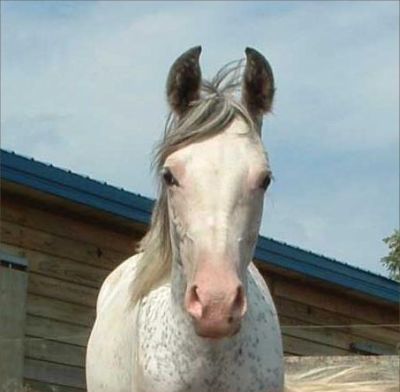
(83, 88)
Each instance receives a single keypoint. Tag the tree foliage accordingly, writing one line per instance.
(392, 260)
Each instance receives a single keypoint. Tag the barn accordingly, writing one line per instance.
(62, 233)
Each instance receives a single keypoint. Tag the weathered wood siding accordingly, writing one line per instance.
(318, 320)
(68, 260)
(12, 309)
(69, 255)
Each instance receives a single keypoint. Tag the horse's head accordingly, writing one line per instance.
(214, 180)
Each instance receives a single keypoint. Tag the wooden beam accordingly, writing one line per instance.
(59, 331)
(37, 386)
(48, 350)
(60, 267)
(63, 225)
(41, 241)
(328, 336)
(67, 207)
(53, 373)
(60, 311)
(341, 304)
(298, 346)
(298, 313)
(13, 285)
(63, 291)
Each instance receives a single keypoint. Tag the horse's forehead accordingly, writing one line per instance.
(235, 145)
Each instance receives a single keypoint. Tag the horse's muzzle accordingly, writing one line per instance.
(216, 310)
(216, 332)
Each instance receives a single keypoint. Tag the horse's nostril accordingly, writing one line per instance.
(239, 303)
(194, 305)
(194, 294)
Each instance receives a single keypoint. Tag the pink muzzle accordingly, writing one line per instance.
(216, 301)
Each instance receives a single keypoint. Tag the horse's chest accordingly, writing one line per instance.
(174, 359)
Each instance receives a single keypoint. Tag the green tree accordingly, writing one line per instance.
(392, 260)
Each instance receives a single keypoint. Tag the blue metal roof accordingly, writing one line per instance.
(83, 190)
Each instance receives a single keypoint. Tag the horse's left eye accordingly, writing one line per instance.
(169, 178)
(266, 181)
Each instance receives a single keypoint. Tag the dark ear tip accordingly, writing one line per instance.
(251, 52)
(195, 51)
(191, 54)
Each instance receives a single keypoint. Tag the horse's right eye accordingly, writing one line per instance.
(266, 181)
(169, 178)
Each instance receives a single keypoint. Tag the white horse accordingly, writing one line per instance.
(191, 312)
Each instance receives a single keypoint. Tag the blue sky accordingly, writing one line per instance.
(82, 87)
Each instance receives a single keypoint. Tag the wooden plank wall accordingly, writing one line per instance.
(318, 321)
(13, 283)
(68, 261)
(69, 258)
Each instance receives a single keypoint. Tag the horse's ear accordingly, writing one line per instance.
(184, 80)
(258, 84)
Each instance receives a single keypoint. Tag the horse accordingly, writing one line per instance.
(190, 311)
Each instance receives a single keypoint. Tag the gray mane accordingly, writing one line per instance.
(210, 115)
